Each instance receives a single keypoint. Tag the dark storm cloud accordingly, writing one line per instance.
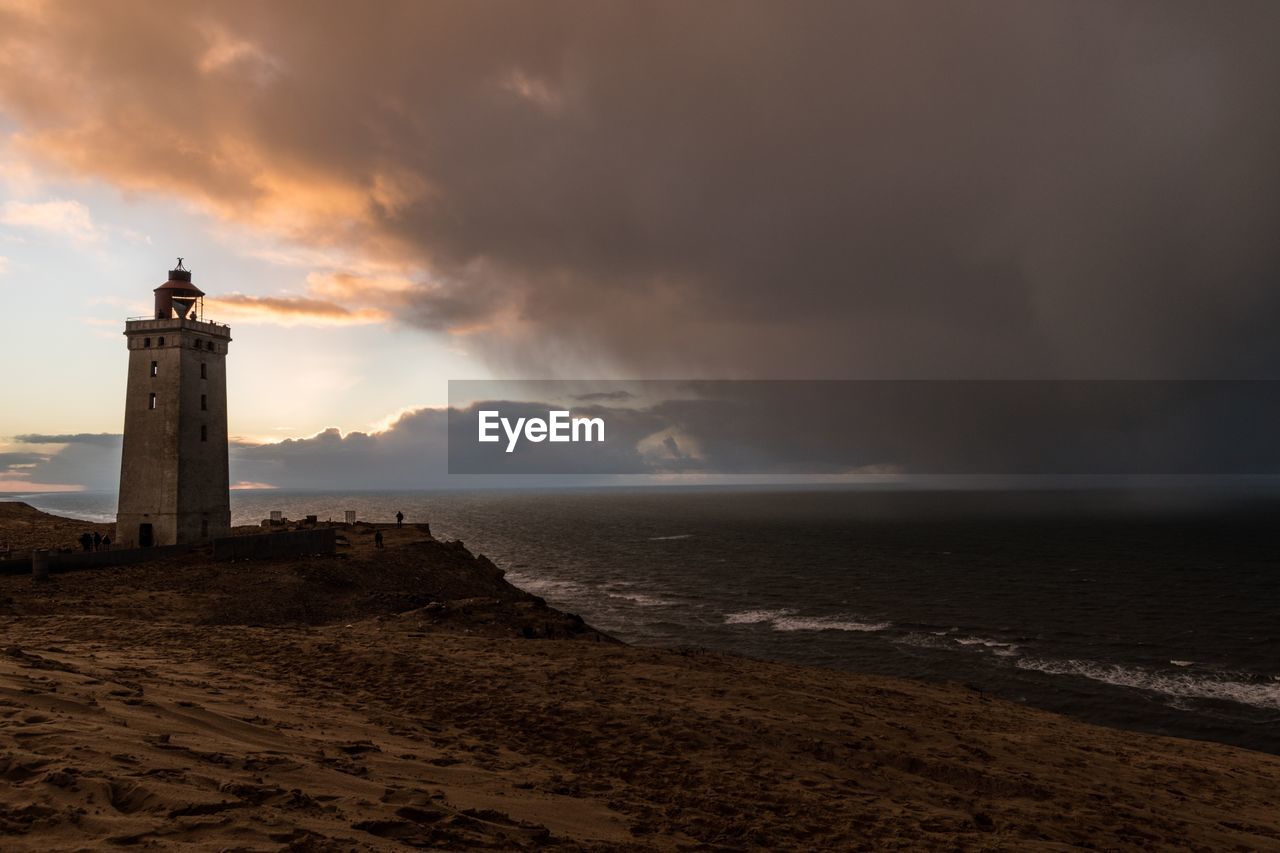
(91, 460)
(411, 454)
(603, 397)
(819, 189)
(12, 460)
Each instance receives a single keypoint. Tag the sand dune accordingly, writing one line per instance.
(111, 741)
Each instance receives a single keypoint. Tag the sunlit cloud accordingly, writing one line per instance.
(333, 299)
(18, 177)
(64, 218)
(345, 285)
(232, 179)
(249, 484)
(291, 311)
(252, 440)
(12, 485)
(536, 90)
(390, 421)
(227, 52)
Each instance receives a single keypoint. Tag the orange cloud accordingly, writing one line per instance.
(193, 120)
(291, 311)
(344, 285)
(28, 486)
(227, 52)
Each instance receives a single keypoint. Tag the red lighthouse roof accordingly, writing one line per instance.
(179, 282)
(177, 294)
(179, 288)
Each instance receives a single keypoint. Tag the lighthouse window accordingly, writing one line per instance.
(160, 343)
(204, 372)
(204, 402)
(155, 368)
(146, 342)
(151, 403)
(204, 433)
(209, 345)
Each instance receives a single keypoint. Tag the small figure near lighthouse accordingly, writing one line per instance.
(174, 483)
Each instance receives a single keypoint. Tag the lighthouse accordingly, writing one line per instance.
(173, 474)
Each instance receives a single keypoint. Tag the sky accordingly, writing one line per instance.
(382, 197)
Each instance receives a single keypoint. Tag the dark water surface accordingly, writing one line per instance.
(1151, 612)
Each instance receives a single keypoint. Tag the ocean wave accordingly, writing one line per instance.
(1179, 685)
(623, 590)
(668, 538)
(753, 617)
(566, 590)
(827, 623)
(787, 620)
(943, 640)
(546, 587)
(641, 599)
(932, 640)
(997, 647)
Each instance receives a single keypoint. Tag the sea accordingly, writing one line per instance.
(1155, 611)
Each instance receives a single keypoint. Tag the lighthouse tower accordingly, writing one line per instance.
(173, 475)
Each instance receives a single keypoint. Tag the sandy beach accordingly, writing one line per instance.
(409, 696)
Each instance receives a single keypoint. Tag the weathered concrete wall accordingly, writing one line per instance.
(290, 543)
(204, 507)
(68, 561)
(171, 477)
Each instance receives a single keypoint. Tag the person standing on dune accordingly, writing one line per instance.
(399, 519)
